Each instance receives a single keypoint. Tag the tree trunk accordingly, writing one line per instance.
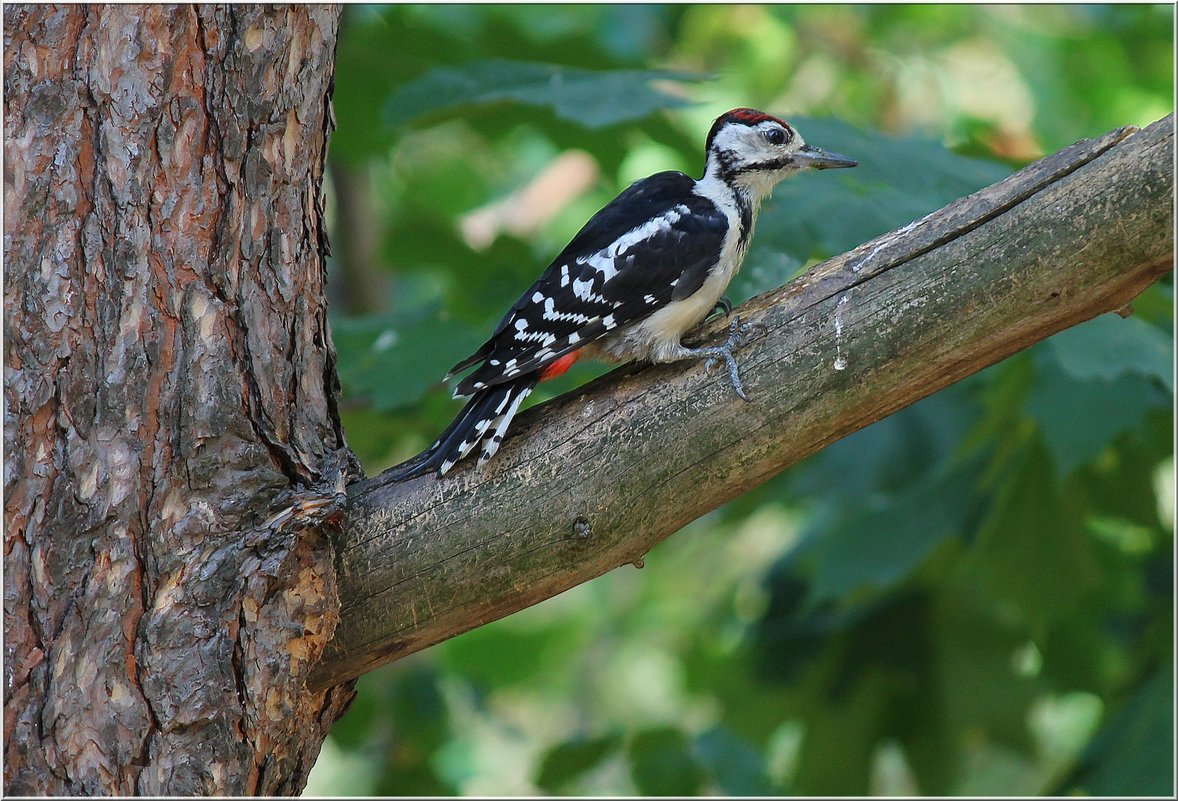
(174, 461)
(596, 478)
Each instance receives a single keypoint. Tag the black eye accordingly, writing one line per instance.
(775, 136)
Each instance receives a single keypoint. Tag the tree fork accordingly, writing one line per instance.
(173, 455)
(592, 480)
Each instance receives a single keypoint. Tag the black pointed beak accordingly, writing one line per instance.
(815, 158)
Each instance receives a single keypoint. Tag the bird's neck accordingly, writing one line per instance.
(750, 186)
(733, 197)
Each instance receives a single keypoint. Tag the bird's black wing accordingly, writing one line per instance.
(653, 243)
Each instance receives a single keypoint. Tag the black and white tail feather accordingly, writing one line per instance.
(484, 419)
(646, 269)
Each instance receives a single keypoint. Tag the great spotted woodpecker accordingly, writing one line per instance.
(643, 271)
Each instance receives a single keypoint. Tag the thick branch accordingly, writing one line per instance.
(594, 479)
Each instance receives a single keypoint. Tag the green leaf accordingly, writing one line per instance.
(835, 757)
(1109, 346)
(661, 763)
(1080, 417)
(737, 767)
(567, 761)
(411, 697)
(878, 544)
(1133, 754)
(891, 494)
(490, 656)
(590, 98)
(894, 454)
(977, 681)
(1032, 550)
(393, 362)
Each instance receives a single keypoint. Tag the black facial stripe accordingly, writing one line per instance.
(760, 166)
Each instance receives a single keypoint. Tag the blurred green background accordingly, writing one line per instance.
(973, 596)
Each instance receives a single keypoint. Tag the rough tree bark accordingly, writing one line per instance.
(174, 464)
(173, 455)
(594, 479)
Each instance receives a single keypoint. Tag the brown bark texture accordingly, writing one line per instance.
(173, 458)
(594, 479)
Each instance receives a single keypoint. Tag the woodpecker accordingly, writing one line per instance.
(645, 270)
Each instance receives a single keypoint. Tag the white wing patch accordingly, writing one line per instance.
(604, 261)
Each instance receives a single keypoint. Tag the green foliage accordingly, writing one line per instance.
(581, 96)
(1125, 756)
(661, 763)
(972, 596)
(567, 761)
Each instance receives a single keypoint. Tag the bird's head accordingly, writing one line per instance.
(753, 150)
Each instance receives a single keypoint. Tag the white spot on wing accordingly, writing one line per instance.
(583, 288)
(550, 313)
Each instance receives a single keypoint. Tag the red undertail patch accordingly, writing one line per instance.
(560, 366)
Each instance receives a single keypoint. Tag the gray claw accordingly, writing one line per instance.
(739, 335)
(747, 332)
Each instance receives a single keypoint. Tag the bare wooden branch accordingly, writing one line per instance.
(594, 479)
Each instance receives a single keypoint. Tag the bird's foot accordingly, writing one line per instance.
(739, 335)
